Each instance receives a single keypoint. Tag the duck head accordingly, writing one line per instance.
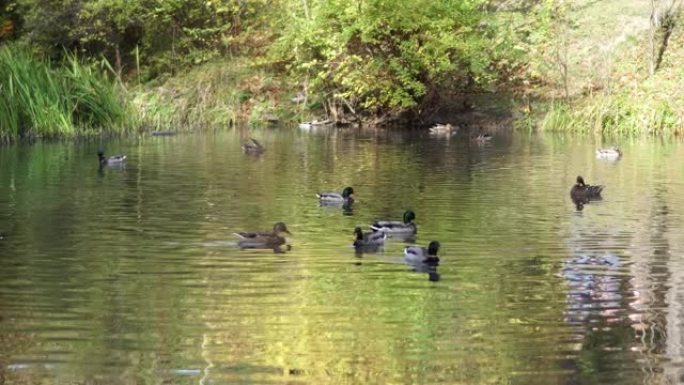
(580, 181)
(280, 227)
(100, 155)
(347, 192)
(359, 233)
(433, 248)
(409, 216)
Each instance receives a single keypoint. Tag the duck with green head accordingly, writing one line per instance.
(336, 198)
(114, 160)
(421, 255)
(404, 228)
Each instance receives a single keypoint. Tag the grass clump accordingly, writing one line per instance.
(72, 99)
(216, 95)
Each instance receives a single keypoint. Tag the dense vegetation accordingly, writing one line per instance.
(215, 63)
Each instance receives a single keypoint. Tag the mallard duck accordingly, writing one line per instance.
(111, 160)
(333, 197)
(253, 147)
(396, 228)
(443, 129)
(368, 239)
(278, 229)
(271, 242)
(608, 153)
(582, 192)
(417, 255)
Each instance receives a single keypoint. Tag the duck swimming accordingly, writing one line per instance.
(333, 197)
(253, 147)
(273, 242)
(420, 255)
(443, 129)
(583, 193)
(368, 239)
(278, 229)
(405, 228)
(111, 160)
(608, 153)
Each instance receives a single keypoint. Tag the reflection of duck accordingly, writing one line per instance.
(111, 160)
(253, 147)
(583, 193)
(396, 228)
(372, 239)
(420, 255)
(278, 229)
(334, 198)
(608, 153)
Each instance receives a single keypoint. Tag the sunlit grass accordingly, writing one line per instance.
(215, 95)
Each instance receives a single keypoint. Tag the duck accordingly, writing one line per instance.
(333, 197)
(608, 153)
(396, 228)
(278, 229)
(582, 192)
(368, 239)
(111, 160)
(420, 255)
(443, 129)
(262, 242)
(253, 147)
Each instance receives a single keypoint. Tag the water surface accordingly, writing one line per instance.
(131, 275)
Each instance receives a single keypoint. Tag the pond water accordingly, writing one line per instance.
(132, 275)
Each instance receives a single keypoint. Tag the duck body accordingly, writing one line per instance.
(337, 198)
(443, 129)
(403, 228)
(582, 192)
(272, 239)
(421, 255)
(110, 160)
(262, 242)
(253, 147)
(368, 239)
(278, 229)
(608, 153)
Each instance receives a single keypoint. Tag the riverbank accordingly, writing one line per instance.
(582, 73)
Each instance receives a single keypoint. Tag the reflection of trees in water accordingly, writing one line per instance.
(639, 315)
(596, 299)
(658, 297)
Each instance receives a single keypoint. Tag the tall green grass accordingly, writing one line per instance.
(622, 114)
(71, 99)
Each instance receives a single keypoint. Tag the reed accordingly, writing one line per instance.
(71, 99)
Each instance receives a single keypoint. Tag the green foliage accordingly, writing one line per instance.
(388, 55)
(73, 99)
(167, 34)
